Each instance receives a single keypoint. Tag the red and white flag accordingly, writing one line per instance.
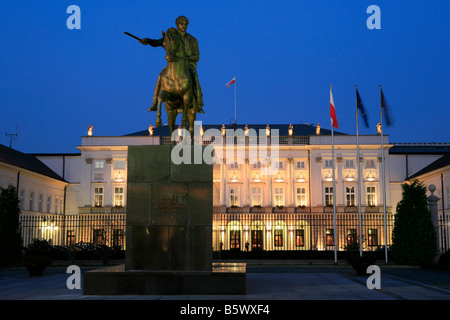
(231, 82)
(334, 122)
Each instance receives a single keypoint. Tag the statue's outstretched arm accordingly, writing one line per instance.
(152, 42)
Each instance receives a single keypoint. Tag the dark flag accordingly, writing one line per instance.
(386, 110)
(362, 110)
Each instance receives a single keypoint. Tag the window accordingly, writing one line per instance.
(278, 238)
(118, 197)
(373, 237)
(256, 196)
(371, 196)
(70, 237)
(234, 197)
(370, 163)
(349, 163)
(119, 165)
(235, 239)
(279, 165)
(49, 203)
(98, 196)
(60, 206)
(31, 201)
(351, 236)
(56, 205)
(234, 165)
(117, 237)
(279, 197)
(328, 196)
(257, 239)
(328, 163)
(301, 196)
(99, 164)
(300, 165)
(41, 200)
(22, 200)
(330, 237)
(299, 238)
(350, 196)
(98, 236)
(256, 165)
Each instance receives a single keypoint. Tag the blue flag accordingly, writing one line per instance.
(386, 111)
(362, 110)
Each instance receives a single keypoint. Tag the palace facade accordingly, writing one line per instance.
(272, 190)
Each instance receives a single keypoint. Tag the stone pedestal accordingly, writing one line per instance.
(169, 230)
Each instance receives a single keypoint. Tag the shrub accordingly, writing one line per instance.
(413, 236)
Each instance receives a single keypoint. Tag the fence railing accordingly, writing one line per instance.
(233, 230)
(101, 229)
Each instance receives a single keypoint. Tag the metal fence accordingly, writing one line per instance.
(101, 229)
(443, 233)
(239, 231)
(300, 231)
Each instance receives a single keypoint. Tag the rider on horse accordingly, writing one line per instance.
(192, 55)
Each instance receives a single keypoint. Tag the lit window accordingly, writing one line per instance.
(256, 197)
(330, 237)
(299, 238)
(373, 237)
(371, 196)
(351, 236)
(234, 197)
(279, 197)
(328, 196)
(278, 238)
(99, 164)
(98, 196)
(350, 196)
(118, 197)
(301, 196)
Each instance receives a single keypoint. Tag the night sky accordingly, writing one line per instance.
(285, 55)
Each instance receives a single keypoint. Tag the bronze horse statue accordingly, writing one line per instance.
(177, 86)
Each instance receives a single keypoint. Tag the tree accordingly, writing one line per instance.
(413, 236)
(10, 238)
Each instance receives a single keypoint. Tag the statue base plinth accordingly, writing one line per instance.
(224, 279)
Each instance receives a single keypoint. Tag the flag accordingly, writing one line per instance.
(231, 82)
(387, 111)
(362, 110)
(334, 122)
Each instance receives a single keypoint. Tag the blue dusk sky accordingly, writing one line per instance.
(285, 55)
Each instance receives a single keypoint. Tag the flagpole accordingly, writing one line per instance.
(334, 188)
(235, 118)
(359, 173)
(383, 176)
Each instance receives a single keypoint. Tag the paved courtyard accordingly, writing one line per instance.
(265, 281)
